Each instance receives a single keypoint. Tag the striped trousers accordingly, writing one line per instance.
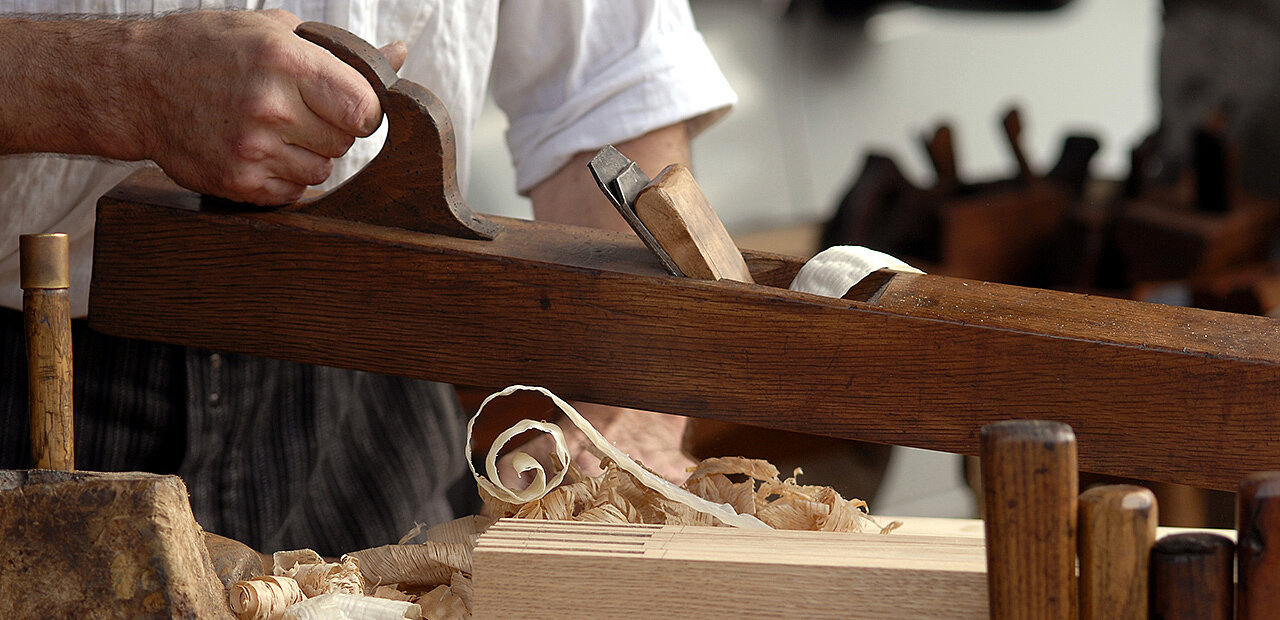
(275, 454)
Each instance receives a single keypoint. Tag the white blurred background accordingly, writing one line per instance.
(816, 95)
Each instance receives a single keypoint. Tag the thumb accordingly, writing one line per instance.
(395, 53)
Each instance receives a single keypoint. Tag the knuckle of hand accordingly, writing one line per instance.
(239, 182)
(266, 105)
(362, 112)
(249, 148)
(275, 53)
(319, 173)
(337, 145)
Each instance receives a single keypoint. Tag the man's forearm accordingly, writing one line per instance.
(230, 103)
(571, 196)
(65, 88)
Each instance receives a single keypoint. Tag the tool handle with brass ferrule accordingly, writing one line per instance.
(1117, 530)
(1029, 490)
(46, 310)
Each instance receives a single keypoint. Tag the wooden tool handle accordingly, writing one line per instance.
(1012, 122)
(1117, 530)
(413, 182)
(1258, 569)
(942, 154)
(1191, 577)
(46, 311)
(677, 214)
(1029, 487)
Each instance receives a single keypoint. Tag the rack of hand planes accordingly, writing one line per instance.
(392, 273)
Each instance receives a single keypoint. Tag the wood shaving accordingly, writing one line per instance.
(436, 575)
(749, 490)
(316, 576)
(444, 603)
(428, 564)
(283, 561)
(264, 598)
(392, 593)
(328, 577)
(464, 530)
(339, 606)
(492, 487)
(835, 270)
(460, 584)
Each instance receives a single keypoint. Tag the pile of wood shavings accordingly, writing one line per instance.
(616, 496)
(434, 577)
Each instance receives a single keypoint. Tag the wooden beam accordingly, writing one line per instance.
(1152, 392)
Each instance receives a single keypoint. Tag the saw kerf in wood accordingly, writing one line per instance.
(1152, 392)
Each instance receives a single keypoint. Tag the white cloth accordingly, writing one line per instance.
(571, 76)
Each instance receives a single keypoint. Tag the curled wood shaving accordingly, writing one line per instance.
(282, 561)
(835, 270)
(757, 469)
(444, 603)
(461, 585)
(464, 530)
(315, 576)
(264, 598)
(784, 504)
(523, 462)
(327, 577)
(393, 593)
(411, 534)
(436, 574)
(339, 606)
(428, 564)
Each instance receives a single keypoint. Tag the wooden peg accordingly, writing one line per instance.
(46, 310)
(1117, 530)
(677, 214)
(1012, 122)
(1258, 571)
(1191, 577)
(942, 153)
(1030, 491)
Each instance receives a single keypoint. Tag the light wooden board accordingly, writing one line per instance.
(541, 569)
(973, 528)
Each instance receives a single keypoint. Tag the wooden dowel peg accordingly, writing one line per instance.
(1012, 122)
(1117, 530)
(1258, 571)
(1191, 577)
(1030, 494)
(46, 310)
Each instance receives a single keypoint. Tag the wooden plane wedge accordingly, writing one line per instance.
(1155, 392)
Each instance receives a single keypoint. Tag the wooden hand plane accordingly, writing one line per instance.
(392, 273)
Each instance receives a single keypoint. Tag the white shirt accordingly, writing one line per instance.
(571, 76)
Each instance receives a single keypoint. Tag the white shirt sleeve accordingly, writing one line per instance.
(574, 76)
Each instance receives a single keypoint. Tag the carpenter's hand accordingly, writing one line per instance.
(238, 106)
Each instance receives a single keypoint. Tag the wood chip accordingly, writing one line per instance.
(264, 598)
